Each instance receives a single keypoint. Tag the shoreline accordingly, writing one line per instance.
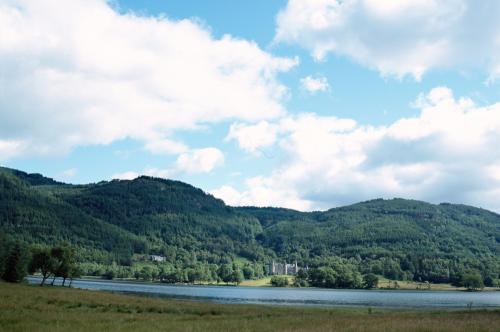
(252, 284)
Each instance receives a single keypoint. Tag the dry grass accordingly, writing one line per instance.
(33, 308)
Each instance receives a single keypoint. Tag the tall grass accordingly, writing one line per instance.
(34, 308)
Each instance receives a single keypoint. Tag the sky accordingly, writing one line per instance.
(304, 104)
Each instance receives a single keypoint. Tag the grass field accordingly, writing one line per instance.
(382, 284)
(34, 308)
(264, 281)
(386, 283)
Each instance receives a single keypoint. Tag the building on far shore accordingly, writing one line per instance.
(274, 268)
(157, 258)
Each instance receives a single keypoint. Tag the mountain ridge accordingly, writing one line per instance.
(119, 219)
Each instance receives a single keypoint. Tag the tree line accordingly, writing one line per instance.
(17, 260)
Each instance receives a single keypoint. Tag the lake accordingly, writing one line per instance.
(301, 296)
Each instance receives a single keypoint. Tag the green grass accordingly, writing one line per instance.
(264, 282)
(414, 285)
(34, 308)
(410, 285)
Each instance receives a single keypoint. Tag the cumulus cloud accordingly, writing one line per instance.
(76, 72)
(397, 37)
(446, 153)
(314, 84)
(194, 161)
(200, 160)
(253, 137)
(263, 192)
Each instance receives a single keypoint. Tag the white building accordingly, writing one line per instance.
(156, 258)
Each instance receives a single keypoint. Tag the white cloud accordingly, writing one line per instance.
(10, 149)
(397, 37)
(263, 192)
(76, 72)
(194, 161)
(229, 195)
(125, 175)
(200, 160)
(446, 153)
(314, 84)
(253, 137)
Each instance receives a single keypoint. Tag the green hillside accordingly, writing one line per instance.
(116, 221)
(37, 216)
(397, 238)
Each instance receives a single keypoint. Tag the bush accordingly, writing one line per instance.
(277, 281)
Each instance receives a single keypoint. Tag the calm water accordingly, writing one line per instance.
(302, 296)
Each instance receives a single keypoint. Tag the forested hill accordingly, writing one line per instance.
(117, 220)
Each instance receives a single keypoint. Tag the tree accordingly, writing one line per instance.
(75, 272)
(42, 261)
(248, 272)
(57, 254)
(192, 275)
(237, 276)
(489, 281)
(64, 259)
(155, 272)
(472, 280)
(145, 273)
(16, 263)
(370, 280)
(67, 264)
(225, 273)
(110, 273)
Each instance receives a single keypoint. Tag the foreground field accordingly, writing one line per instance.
(33, 308)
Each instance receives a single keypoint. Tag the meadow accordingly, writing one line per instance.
(34, 308)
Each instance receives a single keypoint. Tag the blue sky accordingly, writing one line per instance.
(302, 104)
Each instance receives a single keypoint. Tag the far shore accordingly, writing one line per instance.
(384, 284)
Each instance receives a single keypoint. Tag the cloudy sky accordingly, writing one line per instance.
(306, 104)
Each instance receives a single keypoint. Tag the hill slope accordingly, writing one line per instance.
(110, 221)
(398, 238)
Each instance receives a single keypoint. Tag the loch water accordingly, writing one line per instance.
(301, 296)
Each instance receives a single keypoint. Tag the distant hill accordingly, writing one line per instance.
(113, 220)
(33, 179)
(395, 237)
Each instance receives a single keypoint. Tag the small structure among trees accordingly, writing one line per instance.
(157, 258)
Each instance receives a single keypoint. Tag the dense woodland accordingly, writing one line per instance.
(114, 226)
